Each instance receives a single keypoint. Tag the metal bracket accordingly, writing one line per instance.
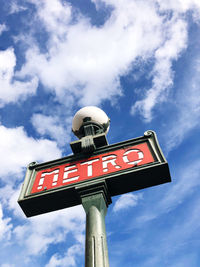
(89, 144)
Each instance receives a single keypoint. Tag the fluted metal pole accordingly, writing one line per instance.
(95, 205)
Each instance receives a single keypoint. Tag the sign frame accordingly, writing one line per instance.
(120, 182)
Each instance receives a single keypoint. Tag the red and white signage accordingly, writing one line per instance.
(93, 167)
(123, 167)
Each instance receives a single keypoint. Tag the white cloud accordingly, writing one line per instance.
(35, 235)
(16, 8)
(180, 6)
(3, 28)
(9, 197)
(126, 201)
(18, 150)
(68, 259)
(52, 14)
(53, 126)
(175, 40)
(174, 43)
(42, 231)
(11, 89)
(187, 114)
(85, 62)
(5, 226)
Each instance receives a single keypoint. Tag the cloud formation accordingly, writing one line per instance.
(5, 226)
(11, 89)
(53, 126)
(188, 107)
(173, 44)
(18, 150)
(126, 201)
(84, 63)
(69, 258)
(3, 28)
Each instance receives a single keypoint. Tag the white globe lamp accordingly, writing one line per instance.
(90, 124)
(90, 115)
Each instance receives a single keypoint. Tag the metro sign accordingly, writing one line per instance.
(127, 166)
(93, 167)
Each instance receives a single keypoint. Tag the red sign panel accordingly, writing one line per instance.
(92, 167)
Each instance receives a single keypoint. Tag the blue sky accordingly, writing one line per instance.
(140, 62)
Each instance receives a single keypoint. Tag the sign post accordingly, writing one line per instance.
(92, 175)
(95, 202)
